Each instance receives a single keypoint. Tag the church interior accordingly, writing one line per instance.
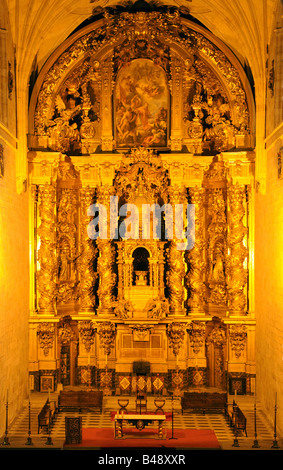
(114, 319)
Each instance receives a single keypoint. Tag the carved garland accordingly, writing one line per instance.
(87, 332)
(196, 331)
(176, 334)
(45, 332)
(238, 339)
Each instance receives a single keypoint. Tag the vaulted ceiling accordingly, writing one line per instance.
(38, 27)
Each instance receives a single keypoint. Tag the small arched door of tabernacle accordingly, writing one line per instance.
(216, 352)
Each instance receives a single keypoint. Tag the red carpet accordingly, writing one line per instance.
(186, 439)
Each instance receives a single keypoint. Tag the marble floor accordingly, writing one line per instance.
(18, 430)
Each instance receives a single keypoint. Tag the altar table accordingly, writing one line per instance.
(121, 420)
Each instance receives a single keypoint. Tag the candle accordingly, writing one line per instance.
(7, 396)
(255, 390)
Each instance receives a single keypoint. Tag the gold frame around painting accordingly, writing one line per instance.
(141, 106)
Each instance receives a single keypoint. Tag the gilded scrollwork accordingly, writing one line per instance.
(215, 180)
(209, 109)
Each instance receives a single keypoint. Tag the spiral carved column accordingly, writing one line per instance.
(46, 277)
(175, 255)
(236, 273)
(194, 257)
(87, 256)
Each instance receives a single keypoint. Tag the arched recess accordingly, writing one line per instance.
(211, 103)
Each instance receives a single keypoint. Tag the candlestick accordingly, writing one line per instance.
(29, 439)
(275, 443)
(256, 444)
(6, 438)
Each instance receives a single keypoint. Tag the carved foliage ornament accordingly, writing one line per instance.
(176, 333)
(196, 331)
(45, 332)
(66, 333)
(87, 332)
(238, 339)
(107, 333)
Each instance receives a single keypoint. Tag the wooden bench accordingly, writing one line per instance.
(47, 415)
(204, 401)
(237, 418)
(80, 399)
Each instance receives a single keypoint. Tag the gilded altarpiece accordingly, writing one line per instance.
(136, 110)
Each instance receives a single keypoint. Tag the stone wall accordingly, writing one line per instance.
(14, 251)
(269, 243)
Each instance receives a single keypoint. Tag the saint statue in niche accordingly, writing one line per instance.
(141, 105)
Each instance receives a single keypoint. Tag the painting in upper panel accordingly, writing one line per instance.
(141, 106)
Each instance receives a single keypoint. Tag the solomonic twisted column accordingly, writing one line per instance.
(236, 273)
(46, 277)
(107, 277)
(194, 257)
(87, 255)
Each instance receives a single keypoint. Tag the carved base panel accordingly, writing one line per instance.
(99, 354)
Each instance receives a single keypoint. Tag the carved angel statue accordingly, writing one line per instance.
(62, 130)
(123, 309)
(157, 308)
